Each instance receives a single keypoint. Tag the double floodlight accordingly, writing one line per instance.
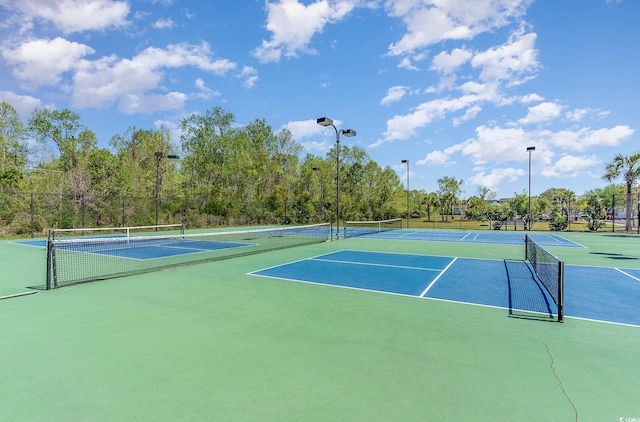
(160, 154)
(325, 121)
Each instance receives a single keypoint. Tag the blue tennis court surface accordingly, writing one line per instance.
(595, 293)
(163, 248)
(488, 236)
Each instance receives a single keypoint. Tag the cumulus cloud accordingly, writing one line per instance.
(446, 63)
(73, 15)
(403, 127)
(205, 92)
(581, 139)
(513, 62)
(302, 129)
(293, 24)
(129, 82)
(495, 177)
(43, 61)
(24, 104)
(394, 94)
(570, 166)
(542, 112)
(249, 75)
(431, 21)
(436, 159)
(167, 23)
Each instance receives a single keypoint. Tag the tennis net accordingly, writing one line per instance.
(361, 228)
(72, 261)
(116, 231)
(549, 270)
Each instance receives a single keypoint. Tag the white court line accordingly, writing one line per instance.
(562, 241)
(627, 274)
(438, 277)
(17, 295)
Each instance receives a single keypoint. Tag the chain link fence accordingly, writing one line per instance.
(32, 214)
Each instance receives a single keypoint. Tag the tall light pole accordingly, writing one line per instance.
(159, 156)
(529, 218)
(407, 163)
(321, 194)
(325, 121)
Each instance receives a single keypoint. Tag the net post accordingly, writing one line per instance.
(49, 245)
(561, 291)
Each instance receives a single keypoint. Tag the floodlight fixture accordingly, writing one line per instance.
(324, 121)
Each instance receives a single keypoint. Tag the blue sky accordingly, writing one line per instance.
(459, 88)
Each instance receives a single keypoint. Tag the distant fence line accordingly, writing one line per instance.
(31, 213)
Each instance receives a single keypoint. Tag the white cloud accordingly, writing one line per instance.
(316, 147)
(469, 114)
(205, 92)
(293, 24)
(435, 159)
(394, 94)
(571, 166)
(404, 126)
(580, 114)
(109, 80)
(303, 129)
(250, 76)
(495, 177)
(149, 103)
(582, 139)
(494, 145)
(431, 21)
(74, 15)
(407, 64)
(446, 63)
(542, 112)
(23, 104)
(43, 61)
(531, 98)
(513, 62)
(164, 23)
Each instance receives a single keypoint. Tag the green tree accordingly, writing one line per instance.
(478, 208)
(63, 127)
(13, 144)
(595, 209)
(449, 189)
(629, 168)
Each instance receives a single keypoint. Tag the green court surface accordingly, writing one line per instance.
(209, 342)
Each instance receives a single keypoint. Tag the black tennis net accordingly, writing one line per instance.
(72, 261)
(549, 271)
(116, 231)
(361, 228)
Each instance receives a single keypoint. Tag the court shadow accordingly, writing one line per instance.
(617, 256)
(528, 299)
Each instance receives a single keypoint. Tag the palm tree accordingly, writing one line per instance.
(629, 167)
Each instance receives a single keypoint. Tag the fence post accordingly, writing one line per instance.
(32, 210)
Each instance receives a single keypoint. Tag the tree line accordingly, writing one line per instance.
(226, 174)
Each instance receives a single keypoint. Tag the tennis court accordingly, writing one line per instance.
(367, 328)
(509, 285)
